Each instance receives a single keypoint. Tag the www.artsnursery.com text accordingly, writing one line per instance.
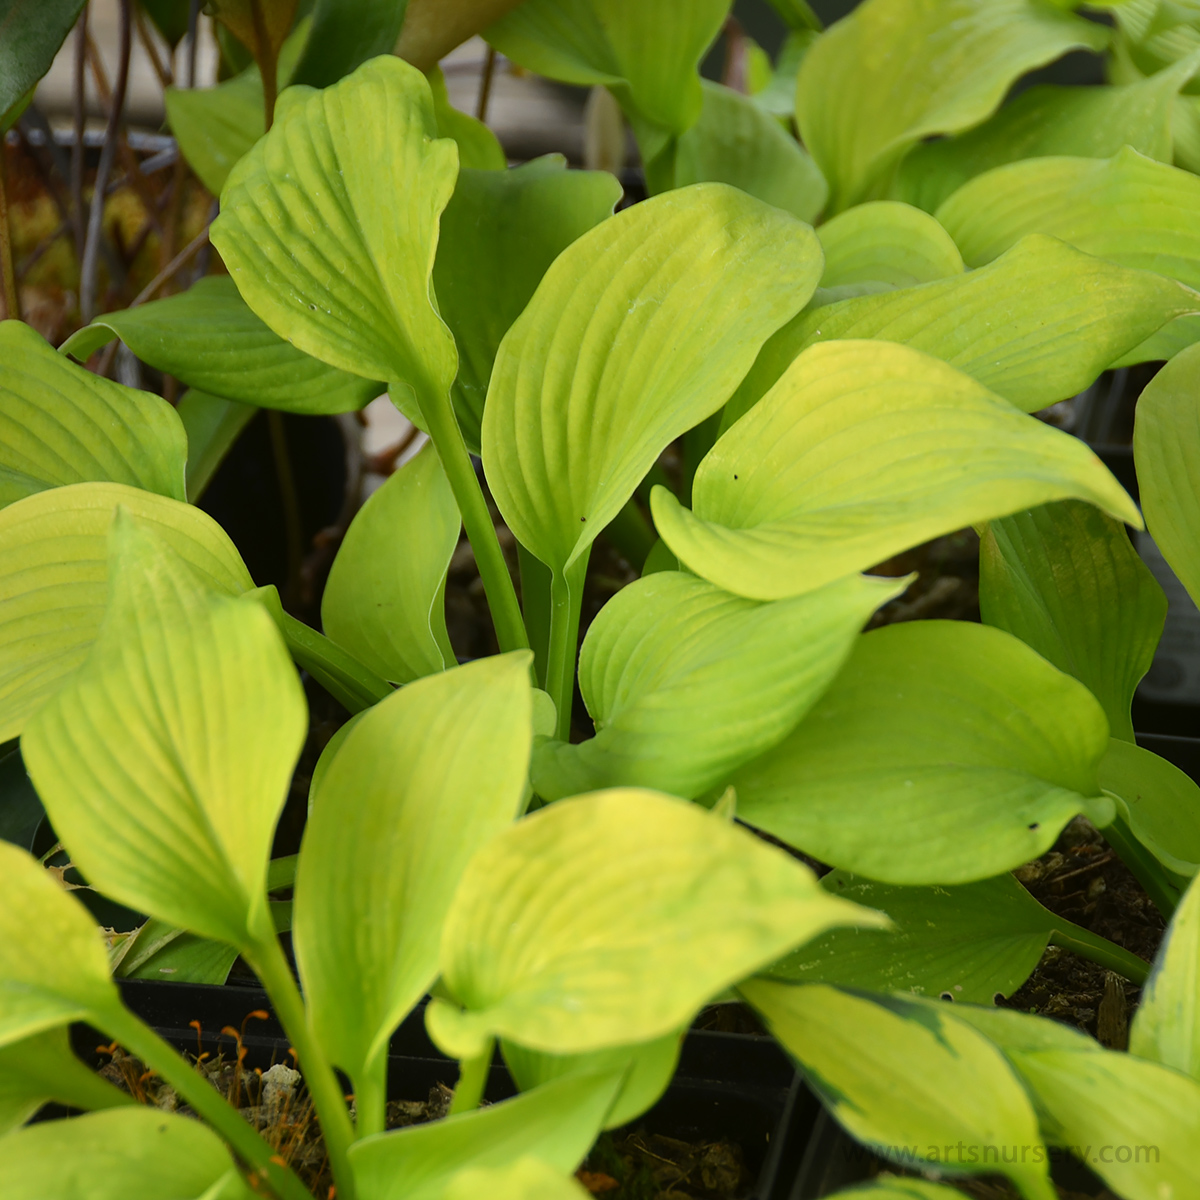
(971, 1155)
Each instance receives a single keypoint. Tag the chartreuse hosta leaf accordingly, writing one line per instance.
(1133, 1122)
(908, 1080)
(478, 147)
(1045, 121)
(1166, 450)
(385, 598)
(212, 424)
(153, 760)
(637, 332)
(329, 228)
(886, 245)
(115, 1155)
(898, 1189)
(1066, 580)
(208, 338)
(424, 779)
(1035, 327)
(1166, 1026)
(612, 918)
(685, 681)
(499, 233)
(735, 141)
(61, 424)
(944, 752)
(53, 580)
(1158, 801)
(897, 71)
(1128, 208)
(555, 1124)
(647, 54)
(526, 1179)
(861, 450)
(973, 942)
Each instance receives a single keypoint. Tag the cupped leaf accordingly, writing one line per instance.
(646, 1069)
(1166, 1026)
(944, 752)
(53, 964)
(887, 243)
(424, 779)
(1166, 451)
(898, 1077)
(60, 424)
(208, 338)
(685, 681)
(329, 228)
(500, 232)
(41, 1068)
(1046, 121)
(165, 761)
(638, 332)
(1160, 803)
(1066, 580)
(385, 598)
(734, 141)
(1037, 326)
(861, 450)
(897, 71)
(114, 1155)
(647, 53)
(555, 1124)
(971, 942)
(53, 580)
(612, 918)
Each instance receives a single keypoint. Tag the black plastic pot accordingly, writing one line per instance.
(729, 1086)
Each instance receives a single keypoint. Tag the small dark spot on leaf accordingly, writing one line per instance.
(162, 1129)
(583, 518)
(1034, 825)
(735, 477)
(997, 997)
(312, 308)
(945, 996)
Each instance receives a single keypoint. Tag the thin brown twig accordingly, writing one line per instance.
(78, 101)
(161, 69)
(178, 261)
(485, 84)
(12, 298)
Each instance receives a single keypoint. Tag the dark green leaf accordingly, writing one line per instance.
(31, 31)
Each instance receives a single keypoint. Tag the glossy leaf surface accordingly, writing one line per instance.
(165, 761)
(556, 1124)
(613, 917)
(500, 232)
(861, 450)
(1166, 451)
(639, 331)
(944, 752)
(893, 1080)
(329, 227)
(385, 597)
(425, 778)
(897, 71)
(685, 681)
(208, 338)
(118, 1154)
(60, 424)
(734, 141)
(53, 580)
(53, 965)
(968, 943)
(1066, 580)
(1037, 326)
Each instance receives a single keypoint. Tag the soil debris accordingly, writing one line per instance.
(648, 1166)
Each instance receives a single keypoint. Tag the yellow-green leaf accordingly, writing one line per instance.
(897, 71)
(53, 580)
(638, 331)
(527, 1178)
(861, 450)
(612, 918)
(424, 779)
(385, 597)
(944, 752)
(165, 761)
(60, 424)
(685, 681)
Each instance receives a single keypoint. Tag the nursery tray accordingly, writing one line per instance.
(737, 1087)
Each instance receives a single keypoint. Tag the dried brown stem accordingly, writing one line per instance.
(12, 298)
(485, 84)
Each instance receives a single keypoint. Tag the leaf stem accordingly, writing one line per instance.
(535, 604)
(1150, 873)
(566, 600)
(370, 1098)
(267, 58)
(472, 1079)
(1100, 950)
(12, 298)
(142, 1042)
(477, 520)
(267, 961)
